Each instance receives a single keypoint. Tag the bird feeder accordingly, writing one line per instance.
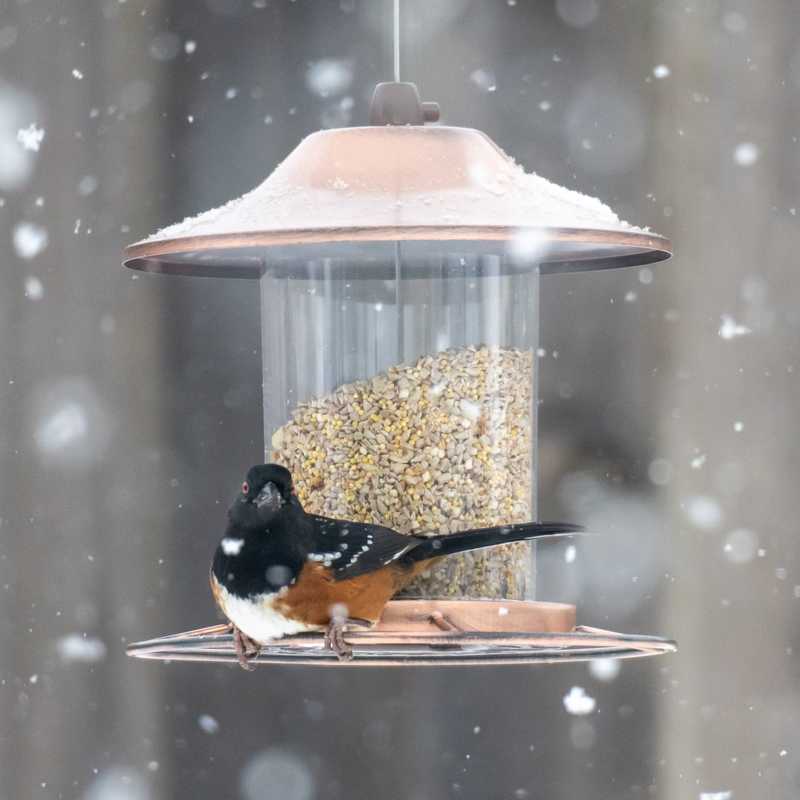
(398, 266)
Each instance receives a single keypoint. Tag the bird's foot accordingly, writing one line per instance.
(334, 636)
(334, 640)
(246, 648)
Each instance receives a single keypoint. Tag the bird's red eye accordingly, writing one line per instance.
(245, 487)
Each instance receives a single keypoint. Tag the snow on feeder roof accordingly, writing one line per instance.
(345, 192)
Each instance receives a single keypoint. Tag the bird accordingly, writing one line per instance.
(279, 570)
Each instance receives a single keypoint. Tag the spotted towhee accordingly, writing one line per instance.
(280, 571)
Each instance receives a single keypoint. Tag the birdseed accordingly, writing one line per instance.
(439, 446)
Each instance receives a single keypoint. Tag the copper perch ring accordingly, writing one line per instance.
(429, 633)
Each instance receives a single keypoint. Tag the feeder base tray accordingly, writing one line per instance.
(429, 633)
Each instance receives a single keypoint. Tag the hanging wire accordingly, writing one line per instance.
(397, 41)
(397, 258)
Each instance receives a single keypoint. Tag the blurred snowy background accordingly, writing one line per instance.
(129, 405)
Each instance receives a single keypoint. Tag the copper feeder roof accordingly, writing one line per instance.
(353, 193)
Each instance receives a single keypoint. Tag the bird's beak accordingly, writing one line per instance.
(269, 497)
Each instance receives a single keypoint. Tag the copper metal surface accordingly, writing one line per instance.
(246, 255)
(482, 632)
(452, 188)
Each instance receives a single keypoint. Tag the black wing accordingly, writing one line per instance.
(355, 548)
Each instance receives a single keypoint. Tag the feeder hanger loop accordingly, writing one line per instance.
(399, 103)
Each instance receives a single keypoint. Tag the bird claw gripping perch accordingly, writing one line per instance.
(334, 636)
(246, 648)
(335, 641)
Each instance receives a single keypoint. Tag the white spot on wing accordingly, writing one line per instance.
(232, 547)
(324, 557)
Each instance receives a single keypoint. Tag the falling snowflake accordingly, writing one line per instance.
(527, 245)
(746, 154)
(730, 328)
(577, 702)
(740, 546)
(34, 289)
(31, 137)
(604, 669)
(484, 79)
(29, 239)
(577, 13)
(64, 427)
(277, 773)
(87, 185)
(660, 471)
(17, 109)
(165, 46)
(118, 782)
(80, 648)
(704, 512)
(329, 77)
(208, 724)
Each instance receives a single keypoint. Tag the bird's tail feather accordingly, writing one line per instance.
(447, 544)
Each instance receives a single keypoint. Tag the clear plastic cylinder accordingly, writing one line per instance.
(400, 389)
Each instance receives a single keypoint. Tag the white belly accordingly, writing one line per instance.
(257, 618)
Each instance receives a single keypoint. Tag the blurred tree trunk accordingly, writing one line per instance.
(728, 91)
(77, 352)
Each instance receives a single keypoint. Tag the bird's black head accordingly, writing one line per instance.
(265, 491)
